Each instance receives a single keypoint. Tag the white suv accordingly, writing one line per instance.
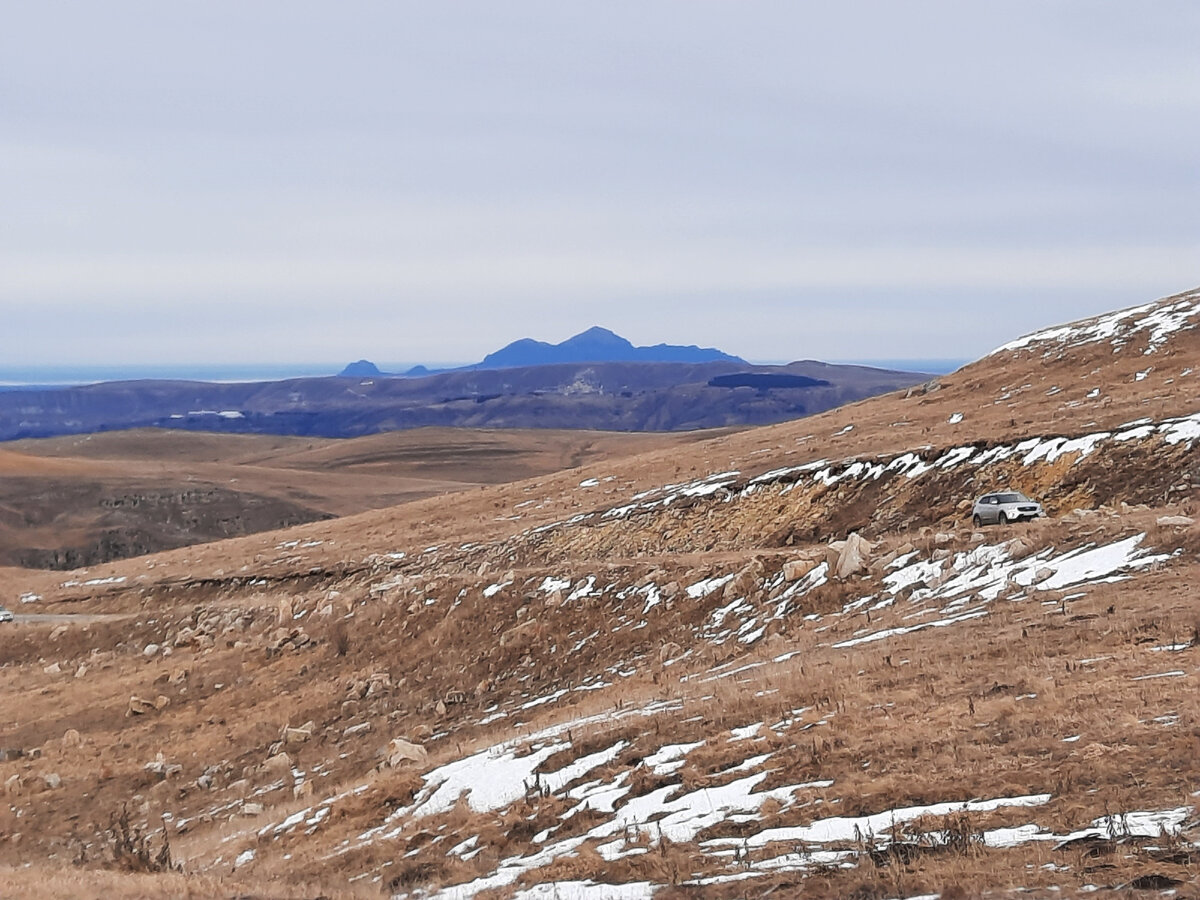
(1004, 507)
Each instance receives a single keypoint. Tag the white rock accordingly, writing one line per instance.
(1177, 521)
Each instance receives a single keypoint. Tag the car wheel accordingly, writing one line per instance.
(1003, 520)
(976, 521)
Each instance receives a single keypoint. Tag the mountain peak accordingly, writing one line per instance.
(596, 337)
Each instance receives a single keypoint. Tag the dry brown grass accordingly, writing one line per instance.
(977, 710)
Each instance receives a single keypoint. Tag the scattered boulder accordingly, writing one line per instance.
(53, 669)
(52, 780)
(12, 786)
(280, 764)
(71, 739)
(284, 611)
(299, 735)
(1174, 521)
(139, 706)
(795, 569)
(252, 809)
(241, 786)
(854, 556)
(748, 578)
(1018, 548)
(399, 750)
(151, 650)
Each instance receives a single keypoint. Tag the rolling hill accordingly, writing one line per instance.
(777, 662)
(82, 500)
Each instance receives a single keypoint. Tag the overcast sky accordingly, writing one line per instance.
(283, 182)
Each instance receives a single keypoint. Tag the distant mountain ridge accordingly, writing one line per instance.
(605, 396)
(596, 345)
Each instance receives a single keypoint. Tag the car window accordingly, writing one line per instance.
(1008, 498)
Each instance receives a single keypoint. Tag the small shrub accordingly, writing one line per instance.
(132, 850)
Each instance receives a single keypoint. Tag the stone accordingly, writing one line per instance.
(12, 786)
(440, 708)
(162, 701)
(1174, 521)
(252, 809)
(150, 650)
(747, 579)
(854, 556)
(58, 632)
(303, 789)
(399, 750)
(1017, 549)
(52, 781)
(279, 764)
(52, 669)
(795, 569)
(139, 706)
(71, 739)
(669, 650)
(284, 611)
(295, 735)
(360, 728)
(241, 786)
(832, 552)
(942, 538)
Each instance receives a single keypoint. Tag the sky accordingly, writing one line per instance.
(280, 182)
